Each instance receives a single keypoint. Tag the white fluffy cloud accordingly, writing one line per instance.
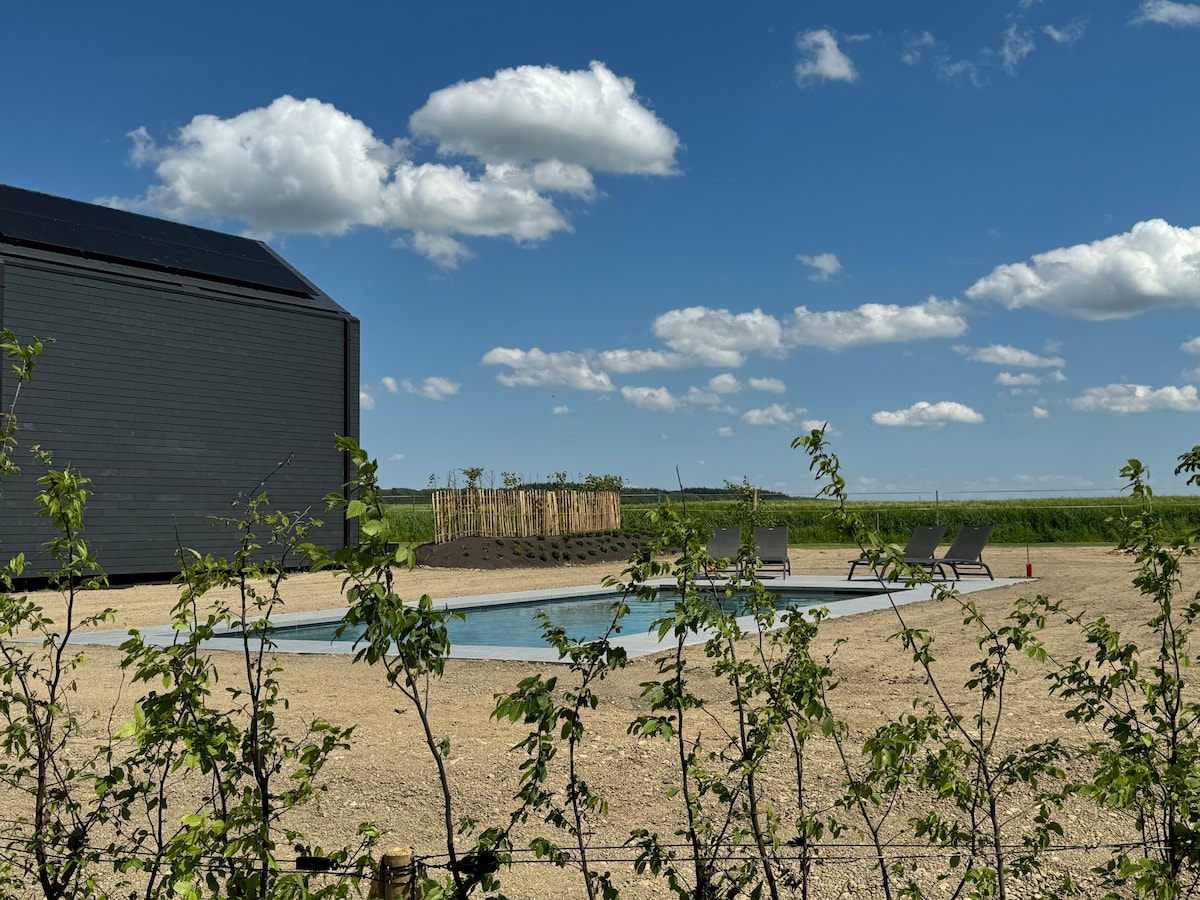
(1006, 355)
(924, 47)
(821, 59)
(1137, 398)
(1154, 264)
(433, 388)
(775, 414)
(698, 396)
(536, 368)
(718, 337)
(724, 432)
(365, 400)
(561, 410)
(1025, 379)
(590, 119)
(960, 71)
(563, 178)
(916, 47)
(824, 265)
(305, 166)
(875, 323)
(639, 360)
(714, 392)
(1016, 43)
(1191, 345)
(1071, 33)
(1039, 412)
(655, 399)
(924, 413)
(701, 336)
(817, 425)
(295, 165)
(1014, 47)
(725, 383)
(440, 248)
(436, 201)
(1168, 12)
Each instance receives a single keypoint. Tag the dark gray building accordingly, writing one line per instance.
(185, 364)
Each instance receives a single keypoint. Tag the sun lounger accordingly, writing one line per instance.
(772, 548)
(919, 551)
(966, 553)
(725, 543)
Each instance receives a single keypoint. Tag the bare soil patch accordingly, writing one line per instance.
(387, 776)
(538, 552)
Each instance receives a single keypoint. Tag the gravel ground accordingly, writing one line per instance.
(387, 776)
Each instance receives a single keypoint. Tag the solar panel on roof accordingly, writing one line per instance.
(98, 231)
(35, 229)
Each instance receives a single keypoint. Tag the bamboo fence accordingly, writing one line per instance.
(515, 513)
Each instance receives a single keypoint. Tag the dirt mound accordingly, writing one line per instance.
(528, 552)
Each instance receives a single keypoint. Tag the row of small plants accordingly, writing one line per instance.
(187, 794)
(1066, 520)
(581, 547)
(947, 775)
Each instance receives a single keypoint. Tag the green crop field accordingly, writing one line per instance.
(409, 523)
(1077, 520)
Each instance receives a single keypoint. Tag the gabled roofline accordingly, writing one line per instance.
(91, 231)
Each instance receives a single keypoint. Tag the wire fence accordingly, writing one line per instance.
(618, 854)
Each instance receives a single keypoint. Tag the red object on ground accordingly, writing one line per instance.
(1028, 570)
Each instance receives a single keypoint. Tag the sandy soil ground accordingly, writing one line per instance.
(388, 777)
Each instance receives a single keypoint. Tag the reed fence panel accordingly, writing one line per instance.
(489, 512)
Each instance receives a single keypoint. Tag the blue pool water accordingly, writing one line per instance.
(583, 618)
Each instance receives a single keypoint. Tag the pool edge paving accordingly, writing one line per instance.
(634, 644)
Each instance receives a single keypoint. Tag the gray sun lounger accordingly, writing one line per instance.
(919, 551)
(725, 543)
(772, 548)
(966, 553)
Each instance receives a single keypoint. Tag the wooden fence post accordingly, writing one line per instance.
(396, 876)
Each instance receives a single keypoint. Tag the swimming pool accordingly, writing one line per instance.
(840, 597)
(585, 618)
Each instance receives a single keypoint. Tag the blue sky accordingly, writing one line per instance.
(639, 236)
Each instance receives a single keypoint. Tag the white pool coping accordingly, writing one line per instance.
(634, 644)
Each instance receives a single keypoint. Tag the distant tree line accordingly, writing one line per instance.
(476, 477)
(592, 483)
